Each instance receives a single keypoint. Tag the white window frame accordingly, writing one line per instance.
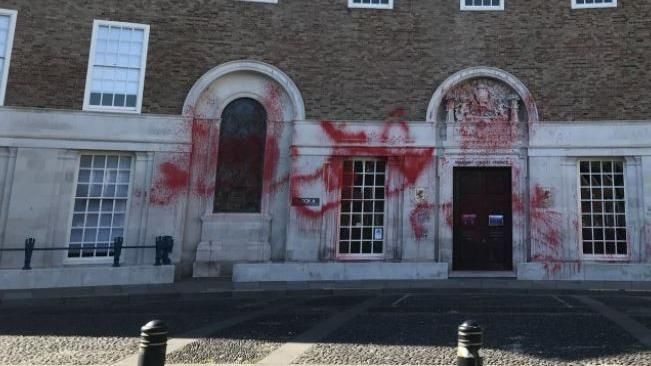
(13, 14)
(91, 61)
(465, 7)
(94, 259)
(388, 6)
(602, 257)
(593, 6)
(362, 256)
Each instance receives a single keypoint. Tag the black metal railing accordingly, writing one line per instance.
(163, 246)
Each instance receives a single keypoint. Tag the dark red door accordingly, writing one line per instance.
(482, 219)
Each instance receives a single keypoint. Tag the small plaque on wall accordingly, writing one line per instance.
(305, 201)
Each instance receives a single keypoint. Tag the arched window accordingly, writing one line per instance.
(243, 130)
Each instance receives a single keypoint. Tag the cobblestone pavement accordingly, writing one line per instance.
(396, 328)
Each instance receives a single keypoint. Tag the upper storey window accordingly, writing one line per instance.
(7, 27)
(116, 67)
(482, 4)
(583, 4)
(376, 4)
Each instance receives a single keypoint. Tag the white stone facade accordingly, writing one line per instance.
(174, 163)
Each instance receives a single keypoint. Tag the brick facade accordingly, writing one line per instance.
(350, 63)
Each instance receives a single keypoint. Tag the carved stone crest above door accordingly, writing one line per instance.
(482, 100)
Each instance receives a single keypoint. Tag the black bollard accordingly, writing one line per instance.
(470, 341)
(168, 245)
(29, 249)
(159, 250)
(117, 250)
(153, 344)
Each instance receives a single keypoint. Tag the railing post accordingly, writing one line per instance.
(117, 250)
(470, 341)
(168, 245)
(153, 344)
(159, 250)
(29, 249)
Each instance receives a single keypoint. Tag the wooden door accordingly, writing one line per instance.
(482, 212)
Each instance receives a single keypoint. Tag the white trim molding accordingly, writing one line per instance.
(466, 7)
(141, 68)
(368, 4)
(4, 73)
(592, 4)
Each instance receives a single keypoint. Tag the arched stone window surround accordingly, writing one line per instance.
(482, 72)
(245, 79)
(261, 70)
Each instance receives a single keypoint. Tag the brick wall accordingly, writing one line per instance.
(350, 63)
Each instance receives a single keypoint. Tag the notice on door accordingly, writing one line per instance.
(468, 219)
(495, 220)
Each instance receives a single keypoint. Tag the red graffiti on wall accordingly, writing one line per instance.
(407, 165)
(418, 218)
(172, 182)
(276, 124)
(186, 173)
(194, 172)
(546, 235)
(448, 214)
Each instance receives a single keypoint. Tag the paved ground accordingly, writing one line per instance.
(397, 327)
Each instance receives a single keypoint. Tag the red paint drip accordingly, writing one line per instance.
(173, 183)
(418, 217)
(406, 165)
(448, 215)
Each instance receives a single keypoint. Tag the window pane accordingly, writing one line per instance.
(95, 219)
(366, 201)
(603, 207)
(242, 142)
(117, 66)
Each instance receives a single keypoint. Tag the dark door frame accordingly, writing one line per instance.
(479, 242)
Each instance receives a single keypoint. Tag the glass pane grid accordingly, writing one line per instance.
(482, 3)
(117, 66)
(603, 207)
(100, 205)
(371, 3)
(361, 229)
(594, 3)
(4, 39)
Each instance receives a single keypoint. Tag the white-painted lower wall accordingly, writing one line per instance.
(341, 271)
(39, 148)
(585, 271)
(84, 276)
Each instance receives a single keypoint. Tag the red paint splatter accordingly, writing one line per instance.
(488, 136)
(173, 182)
(197, 169)
(546, 234)
(406, 165)
(340, 135)
(276, 124)
(419, 216)
(447, 212)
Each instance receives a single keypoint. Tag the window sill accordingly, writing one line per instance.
(606, 259)
(111, 110)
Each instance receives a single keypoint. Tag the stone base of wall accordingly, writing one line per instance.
(216, 258)
(15, 279)
(576, 271)
(291, 272)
